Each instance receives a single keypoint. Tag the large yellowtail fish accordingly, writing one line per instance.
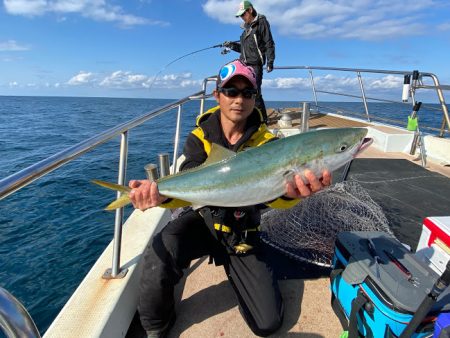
(259, 174)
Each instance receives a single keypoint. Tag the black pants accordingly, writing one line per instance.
(259, 102)
(188, 238)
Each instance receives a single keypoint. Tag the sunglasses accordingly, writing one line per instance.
(247, 93)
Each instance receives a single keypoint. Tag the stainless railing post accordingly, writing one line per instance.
(164, 165)
(412, 90)
(314, 89)
(202, 101)
(363, 96)
(177, 140)
(441, 132)
(305, 117)
(115, 270)
(151, 171)
(446, 118)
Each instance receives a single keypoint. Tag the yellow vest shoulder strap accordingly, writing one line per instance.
(201, 136)
(205, 115)
(262, 136)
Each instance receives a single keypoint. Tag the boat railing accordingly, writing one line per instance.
(28, 175)
(15, 321)
(414, 77)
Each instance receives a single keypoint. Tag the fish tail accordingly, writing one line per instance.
(112, 186)
(119, 203)
(122, 200)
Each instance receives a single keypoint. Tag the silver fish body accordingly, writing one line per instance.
(259, 174)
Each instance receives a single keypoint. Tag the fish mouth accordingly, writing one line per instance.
(366, 142)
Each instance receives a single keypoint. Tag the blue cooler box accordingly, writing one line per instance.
(385, 282)
(442, 326)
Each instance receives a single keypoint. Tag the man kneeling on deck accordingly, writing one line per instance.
(229, 235)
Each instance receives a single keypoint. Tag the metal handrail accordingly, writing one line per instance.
(437, 86)
(204, 85)
(15, 321)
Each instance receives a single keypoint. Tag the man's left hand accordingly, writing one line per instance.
(269, 67)
(299, 189)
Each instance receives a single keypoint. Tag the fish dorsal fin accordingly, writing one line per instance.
(218, 153)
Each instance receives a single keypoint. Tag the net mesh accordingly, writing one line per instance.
(308, 230)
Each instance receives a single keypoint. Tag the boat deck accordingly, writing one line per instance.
(207, 306)
(316, 120)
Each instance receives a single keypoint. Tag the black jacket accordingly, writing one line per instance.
(256, 43)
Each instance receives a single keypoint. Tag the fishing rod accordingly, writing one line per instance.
(225, 50)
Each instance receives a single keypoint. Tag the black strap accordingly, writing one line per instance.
(215, 257)
(357, 304)
(206, 213)
(334, 273)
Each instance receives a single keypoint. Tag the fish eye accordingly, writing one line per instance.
(343, 147)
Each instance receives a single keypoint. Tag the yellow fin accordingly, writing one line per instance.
(112, 186)
(218, 153)
(119, 203)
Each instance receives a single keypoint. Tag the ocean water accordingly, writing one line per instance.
(52, 231)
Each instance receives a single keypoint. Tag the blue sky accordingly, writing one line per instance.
(121, 48)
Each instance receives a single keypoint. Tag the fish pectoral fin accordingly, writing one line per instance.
(218, 153)
(119, 203)
(112, 186)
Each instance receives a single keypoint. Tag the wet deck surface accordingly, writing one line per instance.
(208, 307)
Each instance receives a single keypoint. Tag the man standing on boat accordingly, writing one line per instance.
(256, 46)
(228, 235)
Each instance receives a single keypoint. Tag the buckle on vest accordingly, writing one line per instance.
(242, 248)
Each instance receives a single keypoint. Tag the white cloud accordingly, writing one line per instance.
(333, 83)
(287, 83)
(98, 10)
(12, 46)
(223, 10)
(128, 80)
(387, 82)
(82, 78)
(124, 80)
(25, 7)
(362, 19)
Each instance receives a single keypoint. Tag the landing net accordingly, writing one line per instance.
(307, 231)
